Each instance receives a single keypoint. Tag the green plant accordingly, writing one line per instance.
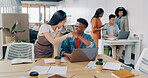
(12, 30)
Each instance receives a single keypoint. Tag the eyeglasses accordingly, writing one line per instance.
(79, 26)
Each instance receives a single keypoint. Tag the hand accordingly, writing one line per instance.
(70, 35)
(68, 55)
(114, 37)
(104, 24)
(75, 35)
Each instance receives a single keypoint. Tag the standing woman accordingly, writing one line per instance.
(48, 39)
(96, 25)
(121, 19)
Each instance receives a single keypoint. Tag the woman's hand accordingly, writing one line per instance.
(104, 24)
(70, 35)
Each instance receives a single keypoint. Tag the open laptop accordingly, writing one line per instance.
(85, 54)
(123, 35)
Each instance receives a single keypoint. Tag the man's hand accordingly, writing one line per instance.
(114, 37)
(75, 35)
(68, 55)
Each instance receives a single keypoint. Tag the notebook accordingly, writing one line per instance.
(50, 69)
(122, 74)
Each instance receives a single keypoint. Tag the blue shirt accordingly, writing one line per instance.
(69, 44)
(118, 20)
(116, 29)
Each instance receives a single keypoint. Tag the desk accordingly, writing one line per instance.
(128, 48)
(75, 70)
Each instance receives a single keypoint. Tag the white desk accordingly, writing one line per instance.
(129, 44)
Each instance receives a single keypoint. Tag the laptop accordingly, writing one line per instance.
(83, 54)
(123, 35)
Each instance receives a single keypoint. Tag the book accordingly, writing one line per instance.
(57, 76)
(21, 61)
(122, 74)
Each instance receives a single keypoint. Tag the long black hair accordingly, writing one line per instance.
(98, 11)
(121, 9)
(57, 17)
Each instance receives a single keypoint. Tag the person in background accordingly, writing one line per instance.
(36, 27)
(80, 39)
(48, 39)
(112, 32)
(96, 25)
(121, 19)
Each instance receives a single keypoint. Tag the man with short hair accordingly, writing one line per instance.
(112, 32)
(80, 39)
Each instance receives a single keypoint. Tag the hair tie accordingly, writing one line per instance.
(64, 14)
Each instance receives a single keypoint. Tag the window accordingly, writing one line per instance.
(38, 13)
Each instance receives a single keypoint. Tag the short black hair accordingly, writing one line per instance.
(57, 17)
(111, 16)
(83, 21)
(121, 9)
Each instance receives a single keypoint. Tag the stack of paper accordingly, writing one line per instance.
(53, 60)
(111, 66)
(91, 64)
(107, 65)
(50, 70)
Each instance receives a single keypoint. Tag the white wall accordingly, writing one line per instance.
(137, 12)
(82, 8)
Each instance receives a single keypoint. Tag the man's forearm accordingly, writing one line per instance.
(105, 35)
(85, 41)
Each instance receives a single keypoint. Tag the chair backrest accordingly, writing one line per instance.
(19, 50)
(142, 63)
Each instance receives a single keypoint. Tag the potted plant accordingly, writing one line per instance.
(12, 32)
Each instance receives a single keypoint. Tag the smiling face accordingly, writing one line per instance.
(79, 28)
(62, 23)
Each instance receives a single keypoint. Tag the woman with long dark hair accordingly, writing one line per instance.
(48, 39)
(121, 19)
(96, 25)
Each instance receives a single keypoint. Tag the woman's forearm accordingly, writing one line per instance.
(56, 49)
(58, 34)
(54, 41)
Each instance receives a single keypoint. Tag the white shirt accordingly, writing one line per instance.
(47, 28)
(111, 31)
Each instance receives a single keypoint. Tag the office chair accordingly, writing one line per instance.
(142, 63)
(19, 50)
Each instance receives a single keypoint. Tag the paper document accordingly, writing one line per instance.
(53, 60)
(50, 70)
(111, 66)
(91, 64)
(107, 65)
